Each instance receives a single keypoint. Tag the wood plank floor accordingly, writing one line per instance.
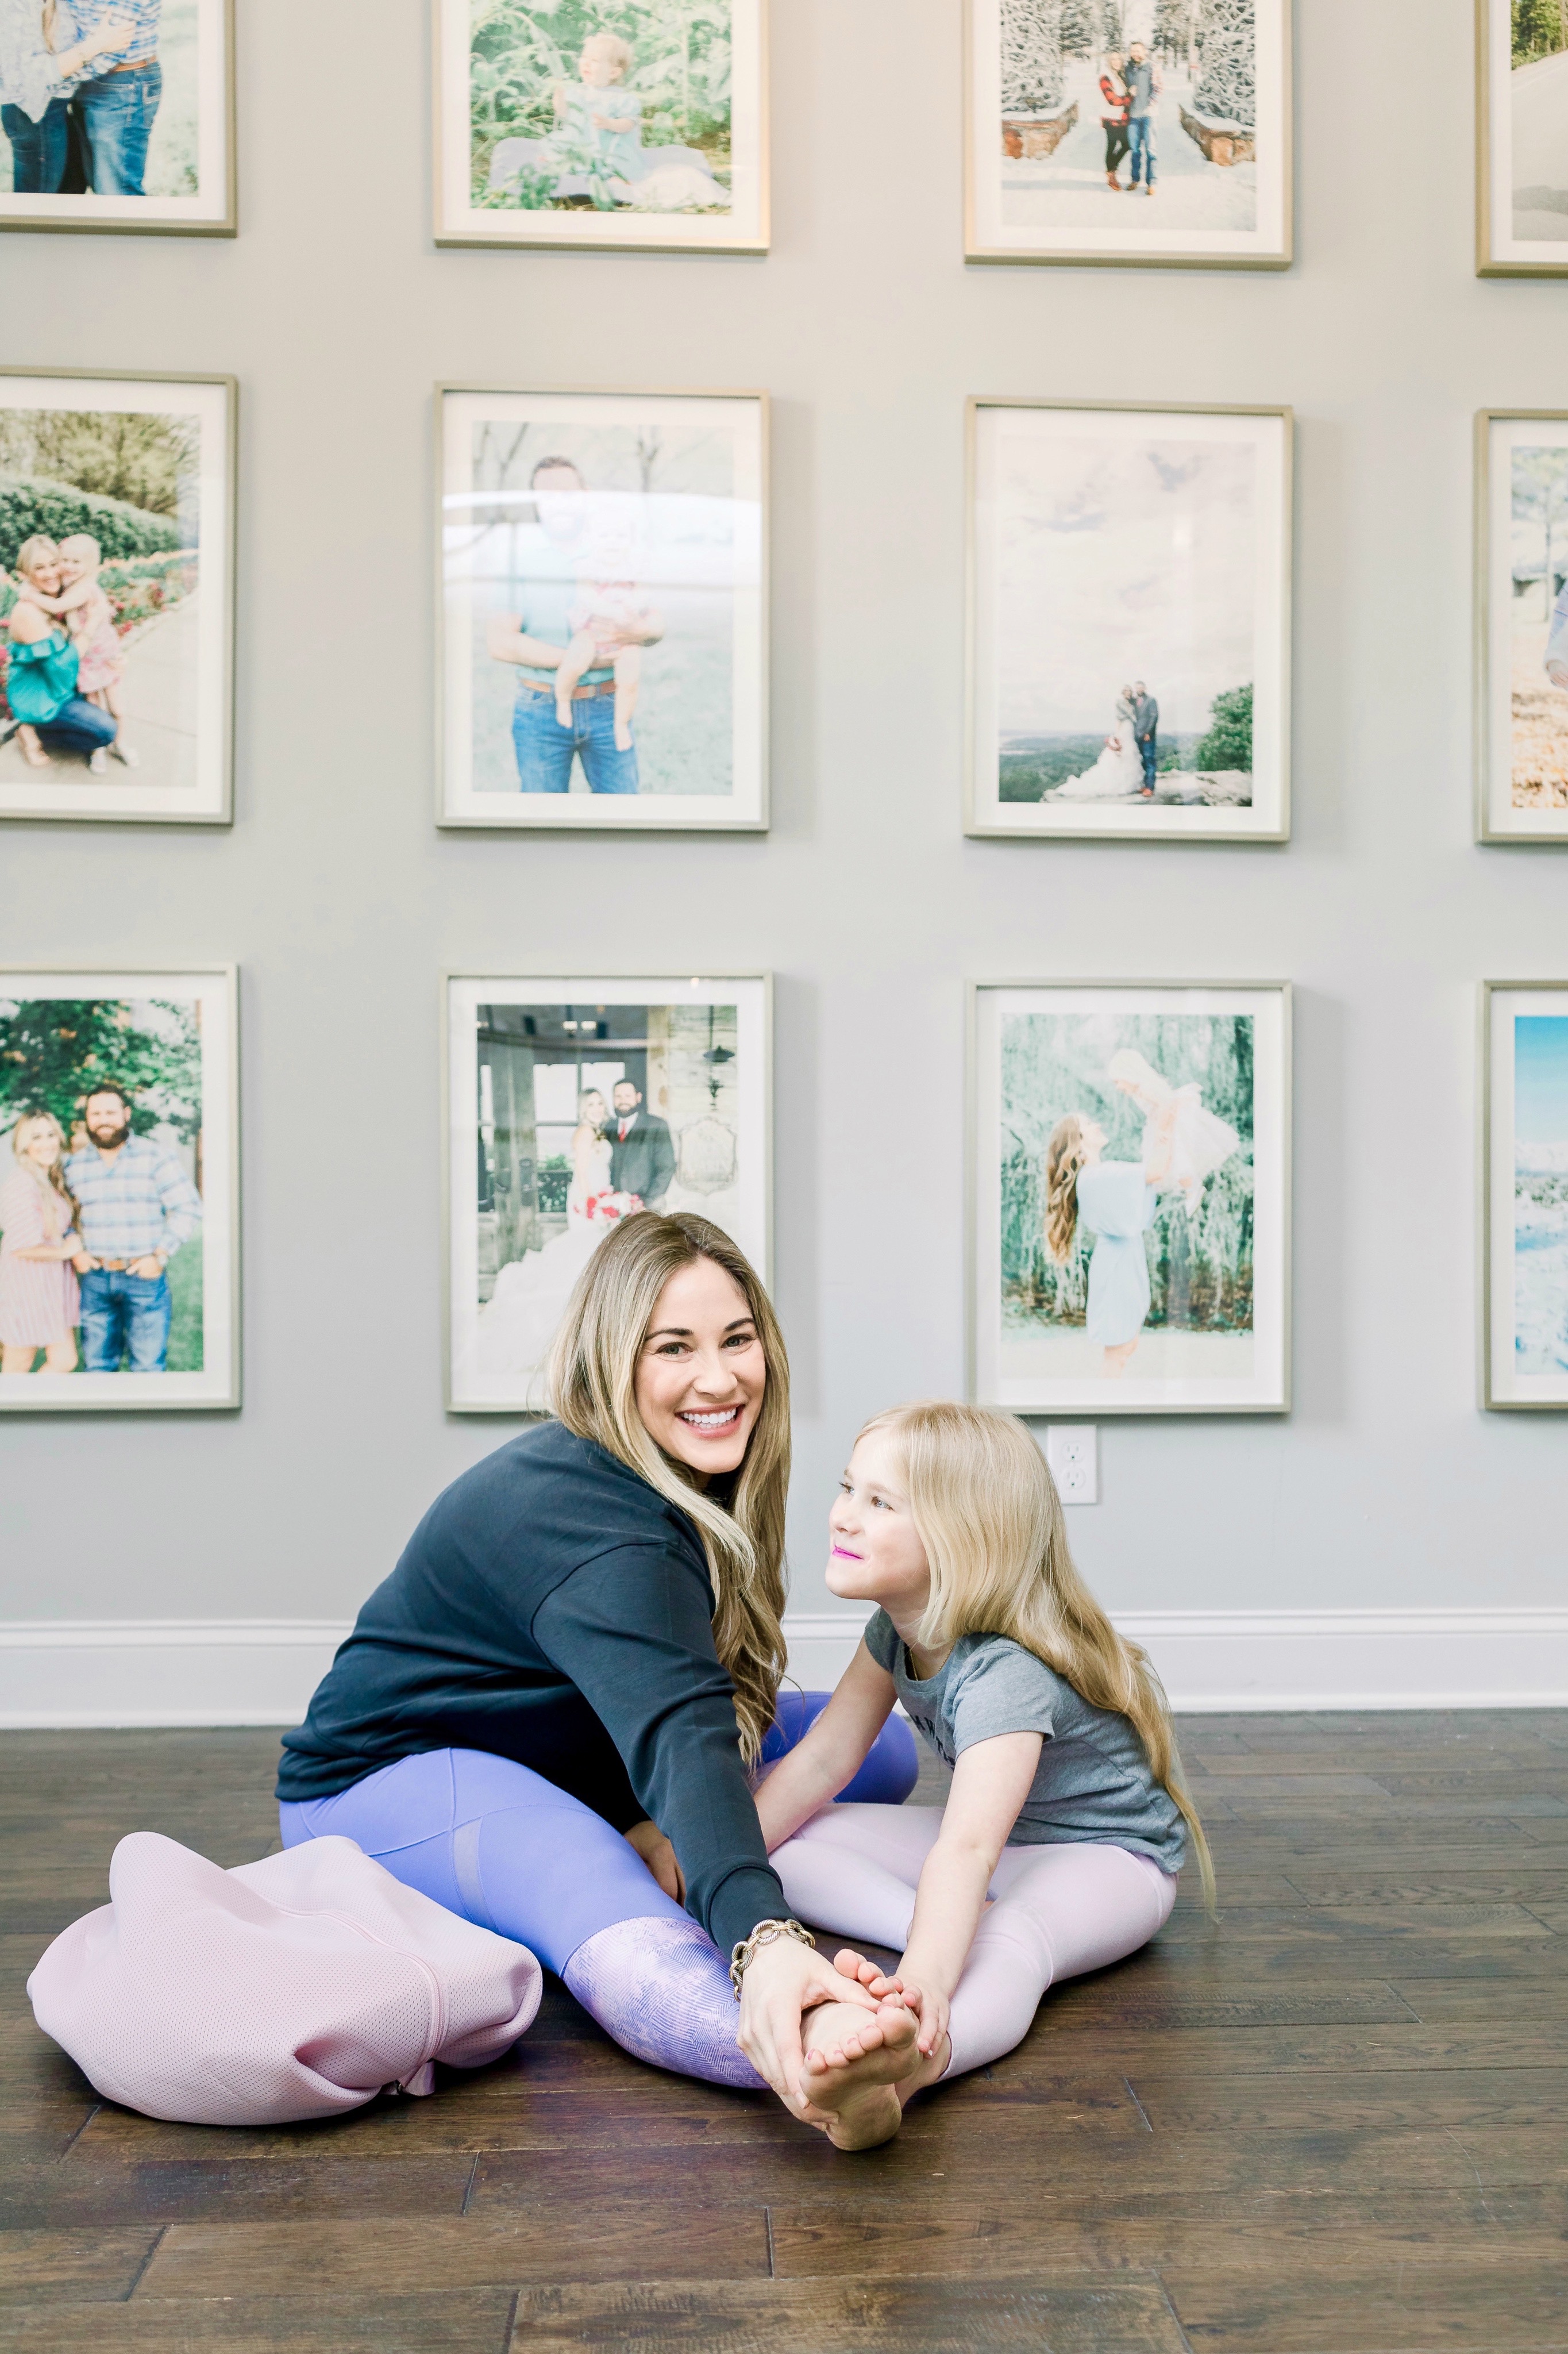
(1336, 2124)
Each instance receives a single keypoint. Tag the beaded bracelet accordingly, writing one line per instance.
(767, 1933)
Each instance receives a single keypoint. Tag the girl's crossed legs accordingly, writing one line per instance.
(1059, 1910)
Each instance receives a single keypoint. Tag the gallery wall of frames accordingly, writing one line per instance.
(316, 733)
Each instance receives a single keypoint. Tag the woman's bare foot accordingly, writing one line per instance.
(33, 753)
(854, 2062)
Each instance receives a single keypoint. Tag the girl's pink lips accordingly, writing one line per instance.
(843, 1552)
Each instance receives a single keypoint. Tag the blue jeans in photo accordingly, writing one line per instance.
(37, 149)
(1146, 745)
(1140, 139)
(545, 749)
(78, 726)
(124, 1316)
(116, 112)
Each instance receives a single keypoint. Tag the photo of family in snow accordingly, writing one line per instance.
(1526, 1245)
(1129, 654)
(602, 122)
(569, 1117)
(1522, 98)
(115, 114)
(1118, 1262)
(604, 653)
(113, 602)
(109, 1154)
(1181, 104)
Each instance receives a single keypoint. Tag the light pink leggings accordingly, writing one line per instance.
(1058, 1910)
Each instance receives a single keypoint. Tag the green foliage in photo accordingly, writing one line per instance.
(147, 462)
(1228, 743)
(1199, 1268)
(55, 1050)
(1539, 29)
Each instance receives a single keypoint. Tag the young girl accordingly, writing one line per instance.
(1065, 1826)
(89, 617)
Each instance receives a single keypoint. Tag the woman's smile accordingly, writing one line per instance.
(716, 1422)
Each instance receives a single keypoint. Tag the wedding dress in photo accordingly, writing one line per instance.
(519, 1321)
(1116, 775)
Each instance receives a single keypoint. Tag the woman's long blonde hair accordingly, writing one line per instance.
(592, 1384)
(986, 1509)
(1066, 1154)
(53, 1178)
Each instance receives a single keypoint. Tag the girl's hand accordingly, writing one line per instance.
(783, 1980)
(659, 1857)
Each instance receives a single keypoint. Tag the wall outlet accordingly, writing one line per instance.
(1072, 1449)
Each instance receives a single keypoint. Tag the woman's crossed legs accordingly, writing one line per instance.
(1057, 1911)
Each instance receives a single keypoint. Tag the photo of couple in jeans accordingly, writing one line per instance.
(88, 1228)
(1129, 88)
(80, 86)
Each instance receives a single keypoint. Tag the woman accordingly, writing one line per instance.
(41, 55)
(1115, 100)
(1118, 774)
(40, 1300)
(520, 1319)
(1118, 1199)
(535, 1719)
(41, 672)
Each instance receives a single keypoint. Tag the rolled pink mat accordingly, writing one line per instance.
(298, 1986)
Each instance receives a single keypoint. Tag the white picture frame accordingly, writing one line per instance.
(536, 489)
(523, 1206)
(1521, 140)
(1036, 145)
(176, 712)
(1115, 542)
(685, 197)
(1524, 1196)
(148, 1029)
(1521, 624)
(1203, 1292)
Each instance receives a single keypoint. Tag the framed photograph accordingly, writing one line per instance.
(570, 1103)
(116, 597)
(603, 600)
(1524, 1194)
(118, 114)
(1130, 1192)
(640, 125)
(1128, 621)
(1521, 139)
(1521, 624)
(1139, 132)
(119, 1191)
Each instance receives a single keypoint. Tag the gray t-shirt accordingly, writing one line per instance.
(1093, 1782)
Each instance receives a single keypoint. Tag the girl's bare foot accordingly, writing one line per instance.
(35, 755)
(854, 2061)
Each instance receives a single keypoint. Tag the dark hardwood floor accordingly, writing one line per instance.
(1336, 2124)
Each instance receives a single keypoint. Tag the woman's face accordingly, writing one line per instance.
(595, 1108)
(40, 1144)
(44, 573)
(701, 1372)
(877, 1555)
(1094, 1139)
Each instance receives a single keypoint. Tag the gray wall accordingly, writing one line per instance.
(342, 903)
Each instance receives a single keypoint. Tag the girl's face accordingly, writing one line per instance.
(877, 1555)
(73, 564)
(40, 1144)
(701, 1372)
(598, 67)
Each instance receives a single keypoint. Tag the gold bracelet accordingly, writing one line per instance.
(767, 1933)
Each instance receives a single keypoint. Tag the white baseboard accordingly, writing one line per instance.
(77, 1673)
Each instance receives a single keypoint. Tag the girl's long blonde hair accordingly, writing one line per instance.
(592, 1384)
(1066, 1154)
(986, 1509)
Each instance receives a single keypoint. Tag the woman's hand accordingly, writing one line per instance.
(782, 1981)
(659, 1857)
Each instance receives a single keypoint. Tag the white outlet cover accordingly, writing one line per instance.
(1072, 1450)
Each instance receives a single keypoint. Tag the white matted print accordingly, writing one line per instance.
(1521, 139)
(1524, 1243)
(1129, 632)
(604, 609)
(635, 125)
(1522, 626)
(1130, 131)
(1130, 1195)
(116, 595)
(118, 114)
(119, 1191)
(571, 1104)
